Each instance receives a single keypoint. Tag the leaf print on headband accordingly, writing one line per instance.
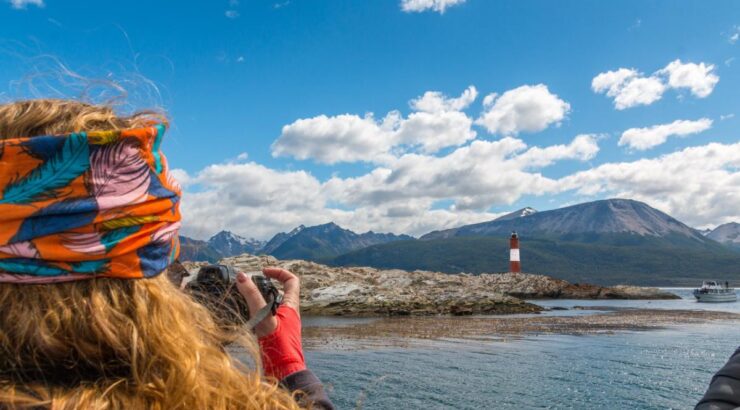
(24, 249)
(31, 267)
(114, 237)
(91, 267)
(88, 243)
(58, 217)
(83, 205)
(118, 175)
(103, 137)
(166, 233)
(127, 221)
(44, 182)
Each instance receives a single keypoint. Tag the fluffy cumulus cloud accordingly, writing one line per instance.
(435, 101)
(698, 185)
(22, 4)
(257, 201)
(475, 177)
(417, 6)
(340, 138)
(629, 87)
(698, 78)
(529, 108)
(649, 137)
(401, 195)
(437, 122)
(249, 198)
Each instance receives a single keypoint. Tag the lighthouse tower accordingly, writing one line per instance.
(514, 264)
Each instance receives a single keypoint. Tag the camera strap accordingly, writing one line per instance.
(271, 307)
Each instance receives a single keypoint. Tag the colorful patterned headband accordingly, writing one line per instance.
(88, 204)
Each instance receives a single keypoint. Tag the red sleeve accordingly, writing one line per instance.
(282, 353)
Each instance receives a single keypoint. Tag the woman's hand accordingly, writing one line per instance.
(279, 335)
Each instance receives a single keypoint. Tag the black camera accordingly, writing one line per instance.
(215, 287)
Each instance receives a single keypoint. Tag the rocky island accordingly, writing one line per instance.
(362, 291)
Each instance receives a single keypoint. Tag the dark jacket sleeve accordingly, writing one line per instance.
(312, 391)
(724, 389)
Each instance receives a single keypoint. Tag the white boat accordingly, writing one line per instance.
(711, 291)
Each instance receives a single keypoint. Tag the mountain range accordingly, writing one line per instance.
(319, 243)
(606, 242)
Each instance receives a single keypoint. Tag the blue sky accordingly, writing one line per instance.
(233, 74)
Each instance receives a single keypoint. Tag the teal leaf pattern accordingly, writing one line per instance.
(71, 161)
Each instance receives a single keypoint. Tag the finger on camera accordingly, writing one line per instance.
(291, 284)
(251, 293)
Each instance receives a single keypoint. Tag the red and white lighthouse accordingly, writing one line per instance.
(514, 264)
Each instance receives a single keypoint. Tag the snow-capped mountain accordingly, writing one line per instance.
(517, 214)
(728, 234)
(230, 244)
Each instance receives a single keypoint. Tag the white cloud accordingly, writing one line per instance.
(341, 138)
(699, 78)
(583, 147)
(22, 4)
(734, 35)
(434, 131)
(438, 123)
(181, 176)
(418, 6)
(698, 185)
(726, 116)
(435, 101)
(398, 196)
(232, 14)
(529, 108)
(629, 88)
(475, 176)
(251, 199)
(645, 138)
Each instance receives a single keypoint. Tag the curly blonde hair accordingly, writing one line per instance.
(112, 343)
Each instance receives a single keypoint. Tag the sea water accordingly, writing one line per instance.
(656, 369)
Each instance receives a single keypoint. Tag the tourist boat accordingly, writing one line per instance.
(711, 291)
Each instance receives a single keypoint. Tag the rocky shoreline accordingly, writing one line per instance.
(362, 291)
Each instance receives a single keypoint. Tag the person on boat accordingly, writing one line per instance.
(89, 220)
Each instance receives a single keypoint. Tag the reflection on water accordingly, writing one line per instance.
(668, 368)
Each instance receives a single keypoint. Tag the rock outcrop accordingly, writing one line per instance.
(360, 291)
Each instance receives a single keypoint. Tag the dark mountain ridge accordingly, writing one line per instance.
(280, 239)
(611, 220)
(324, 242)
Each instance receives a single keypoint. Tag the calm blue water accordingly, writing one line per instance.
(629, 370)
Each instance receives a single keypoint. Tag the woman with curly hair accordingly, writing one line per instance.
(89, 217)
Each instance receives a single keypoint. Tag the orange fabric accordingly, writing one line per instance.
(90, 204)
